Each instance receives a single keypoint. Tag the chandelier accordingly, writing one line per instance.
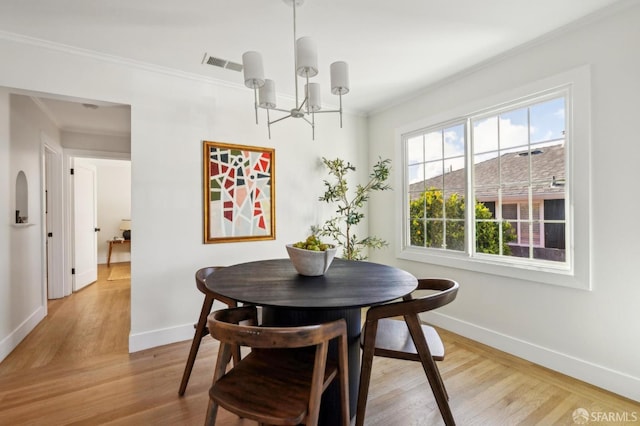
(306, 67)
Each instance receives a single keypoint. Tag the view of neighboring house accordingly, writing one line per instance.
(544, 167)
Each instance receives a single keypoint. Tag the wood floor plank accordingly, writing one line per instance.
(74, 369)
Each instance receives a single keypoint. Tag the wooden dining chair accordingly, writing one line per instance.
(201, 329)
(408, 340)
(281, 381)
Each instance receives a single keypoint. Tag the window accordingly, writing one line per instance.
(436, 162)
(518, 164)
(512, 160)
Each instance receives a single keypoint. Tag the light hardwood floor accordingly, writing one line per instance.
(74, 369)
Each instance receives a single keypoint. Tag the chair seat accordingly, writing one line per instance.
(254, 388)
(394, 340)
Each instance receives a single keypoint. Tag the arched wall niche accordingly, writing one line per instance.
(22, 198)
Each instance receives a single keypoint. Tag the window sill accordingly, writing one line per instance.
(560, 276)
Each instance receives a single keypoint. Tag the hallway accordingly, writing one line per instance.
(91, 323)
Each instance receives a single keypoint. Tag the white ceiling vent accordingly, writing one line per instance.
(222, 63)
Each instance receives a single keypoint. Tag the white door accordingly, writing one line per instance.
(84, 214)
(55, 289)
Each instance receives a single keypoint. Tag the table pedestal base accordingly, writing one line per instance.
(330, 407)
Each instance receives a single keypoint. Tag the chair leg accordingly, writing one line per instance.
(343, 380)
(212, 413)
(236, 350)
(444, 388)
(370, 331)
(222, 360)
(430, 369)
(201, 331)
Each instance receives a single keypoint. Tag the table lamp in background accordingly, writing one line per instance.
(125, 227)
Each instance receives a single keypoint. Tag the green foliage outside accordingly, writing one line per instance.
(349, 214)
(487, 233)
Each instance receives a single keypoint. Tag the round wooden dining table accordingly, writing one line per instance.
(288, 298)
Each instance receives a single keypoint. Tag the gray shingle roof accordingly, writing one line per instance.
(547, 175)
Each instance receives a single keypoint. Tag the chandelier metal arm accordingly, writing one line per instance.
(279, 119)
(281, 110)
(295, 53)
(255, 102)
(299, 108)
(312, 123)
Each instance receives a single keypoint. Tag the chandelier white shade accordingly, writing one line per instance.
(306, 57)
(339, 78)
(306, 67)
(268, 95)
(253, 70)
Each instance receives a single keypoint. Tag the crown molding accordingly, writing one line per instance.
(145, 66)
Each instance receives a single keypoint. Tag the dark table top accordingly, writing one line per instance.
(347, 284)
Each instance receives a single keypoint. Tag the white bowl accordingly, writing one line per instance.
(309, 262)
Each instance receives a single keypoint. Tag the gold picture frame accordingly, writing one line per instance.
(238, 188)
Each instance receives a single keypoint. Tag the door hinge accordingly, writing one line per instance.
(50, 234)
(73, 271)
(71, 171)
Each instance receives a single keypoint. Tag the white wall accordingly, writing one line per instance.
(6, 324)
(590, 335)
(171, 115)
(113, 188)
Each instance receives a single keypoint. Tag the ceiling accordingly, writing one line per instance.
(394, 48)
(93, 117)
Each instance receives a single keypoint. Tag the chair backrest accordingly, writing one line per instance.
(201, 277)
(447, 291)
(225, 326)
(239, 327)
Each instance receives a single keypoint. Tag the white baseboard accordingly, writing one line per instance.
(14, 338)
(597, 375)
(160, 337)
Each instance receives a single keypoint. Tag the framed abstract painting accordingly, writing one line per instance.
(239, 192)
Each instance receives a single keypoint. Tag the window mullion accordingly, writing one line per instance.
(444, 201)
(500, 250)
(530, 185)
(470, 213)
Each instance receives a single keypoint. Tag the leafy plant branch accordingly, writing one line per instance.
(349, 214)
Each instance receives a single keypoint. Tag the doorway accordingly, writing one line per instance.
(101, 204)
(50, 130)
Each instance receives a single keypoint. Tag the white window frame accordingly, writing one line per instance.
(576, 271)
